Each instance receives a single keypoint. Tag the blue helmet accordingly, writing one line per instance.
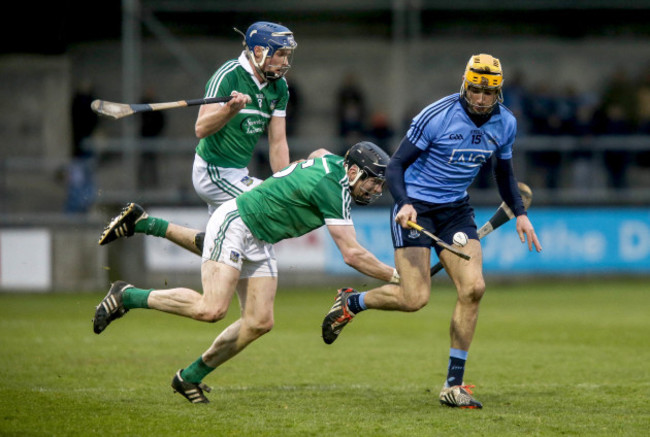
(271, 37)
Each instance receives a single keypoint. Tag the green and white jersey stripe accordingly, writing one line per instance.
(300, 198)
(233, 145)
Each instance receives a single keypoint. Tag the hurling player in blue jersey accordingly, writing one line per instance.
(428, 176)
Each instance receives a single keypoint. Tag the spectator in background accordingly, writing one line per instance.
(80, 183)
(583, 158)
(586, 107)
(262, 162)
(515, 97)
(566, 108)
(381, 131)
(350, 110)
(617, 116)
(643, 101)
(544, 121)
(619, 105)
(293, 109)
(643, 114)
(152, 125)
(540, 109)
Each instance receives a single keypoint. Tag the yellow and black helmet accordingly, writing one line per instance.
(483, 71)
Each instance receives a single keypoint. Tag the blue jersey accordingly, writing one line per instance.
(454, 149)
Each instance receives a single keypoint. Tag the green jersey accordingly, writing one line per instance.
(300, 198)
(233, 145)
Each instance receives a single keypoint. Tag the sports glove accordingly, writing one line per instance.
(395, 278)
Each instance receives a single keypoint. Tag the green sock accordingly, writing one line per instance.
(135, 298)
(152, 226)
(196, 371)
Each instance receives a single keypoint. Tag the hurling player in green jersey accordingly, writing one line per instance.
(229, 132)
(238, 253)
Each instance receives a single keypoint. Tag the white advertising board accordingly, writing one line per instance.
(25, 259)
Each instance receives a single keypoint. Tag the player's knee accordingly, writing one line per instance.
(211, 315)
(415, 301)
(474, 292)
(259, 327)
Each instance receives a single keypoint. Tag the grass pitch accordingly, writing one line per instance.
(549, 358)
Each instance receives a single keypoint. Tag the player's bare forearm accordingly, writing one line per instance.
(212, 118)
(279, 156)
(278, 146)
(357, 256)
(365, 262)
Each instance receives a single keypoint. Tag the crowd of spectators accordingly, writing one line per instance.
(620, 107)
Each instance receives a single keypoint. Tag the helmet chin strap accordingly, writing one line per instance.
(471, 106)
(258, 66)
(361, 200)
(357, 177)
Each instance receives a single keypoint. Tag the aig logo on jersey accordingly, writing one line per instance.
(470, 157)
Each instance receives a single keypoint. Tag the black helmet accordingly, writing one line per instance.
(371, 161)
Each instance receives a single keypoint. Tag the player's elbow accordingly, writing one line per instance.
(200, 131)
(352, 257)
(319, 153)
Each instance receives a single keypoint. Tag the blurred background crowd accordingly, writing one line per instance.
(579, 86)
(577, 77)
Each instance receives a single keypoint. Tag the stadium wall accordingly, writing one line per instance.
(576, 241)
(398, 78)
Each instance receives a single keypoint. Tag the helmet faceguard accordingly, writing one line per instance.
(270, 37)
(371, 161)
(483, 72)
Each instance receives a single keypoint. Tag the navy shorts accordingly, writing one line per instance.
(443, 220)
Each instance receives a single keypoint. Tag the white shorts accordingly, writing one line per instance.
(217, 185)
(229, 241)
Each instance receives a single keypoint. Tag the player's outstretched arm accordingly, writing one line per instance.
(358, 257)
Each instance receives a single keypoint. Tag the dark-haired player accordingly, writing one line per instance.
(238, 253)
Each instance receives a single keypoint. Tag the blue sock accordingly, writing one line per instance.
(356, 304)
(456, 369)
